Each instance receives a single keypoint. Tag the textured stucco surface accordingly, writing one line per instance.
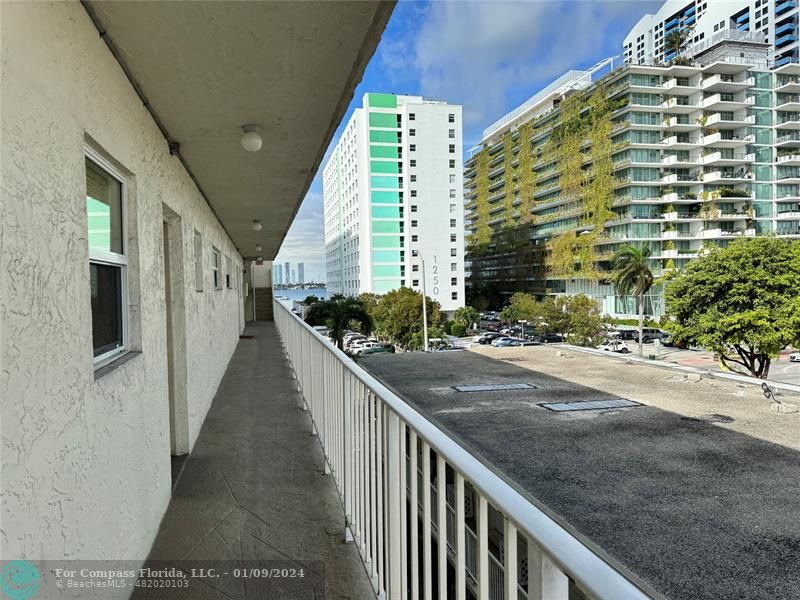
(85, 462)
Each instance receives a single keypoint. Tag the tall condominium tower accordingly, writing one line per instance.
(276, 274)
(393, 195)
(301, 276)
(676, 157)
(287, 273)
(772, 21)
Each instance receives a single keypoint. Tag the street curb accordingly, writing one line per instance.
(774, 385)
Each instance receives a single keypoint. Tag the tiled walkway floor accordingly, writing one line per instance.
(253, 489)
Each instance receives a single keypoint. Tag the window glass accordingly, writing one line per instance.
(104, 210)
(106, 286)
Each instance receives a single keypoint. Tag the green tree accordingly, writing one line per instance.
(583, 325)
(633, 277)
(338, 313)
(677, 40)
(311, 299)
(522, 307)
(466, 316)
(398, 315)
(742, 302)
(458, 329)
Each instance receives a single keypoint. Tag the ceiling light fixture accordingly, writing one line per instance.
(258, 247)
(251, 140)
(256, 225)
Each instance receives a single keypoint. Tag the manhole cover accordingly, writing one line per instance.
(590, 404)
(709, 419)
(494, 387)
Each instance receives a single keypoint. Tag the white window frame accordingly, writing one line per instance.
(216, 267)
(228, 273)
(112, 258)
(198, 261)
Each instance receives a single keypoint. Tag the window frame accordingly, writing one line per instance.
(113, 259)
(216, 267)
(198, 261)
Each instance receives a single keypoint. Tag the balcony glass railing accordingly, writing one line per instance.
(373, 443)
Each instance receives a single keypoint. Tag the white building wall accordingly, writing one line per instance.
(86, 460)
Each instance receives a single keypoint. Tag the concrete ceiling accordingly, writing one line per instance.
(207, 68)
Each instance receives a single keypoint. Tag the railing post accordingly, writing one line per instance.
(510, 563)
(414, 516)
(394, 501)
(427, 579)
(483, 548)
(461, 573)
(441, 501)
(545, 579)
(349, 445)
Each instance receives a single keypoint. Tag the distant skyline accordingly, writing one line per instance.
(489, 56)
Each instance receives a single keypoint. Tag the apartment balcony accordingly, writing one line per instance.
(673, 178)
(790, 215)
(680, 87)
(723, 177)
(790, 140)
(680, 142)
(727, 140)
(680, 105)
(788, 179)
(788, 103)
(726, 158)
(726, 101)
(412, 503)
(729, 121)
(721, 82)
(679, 198)
(788, 85)
(678, 162)
(789, 160)
(788, 122)
(681, 124)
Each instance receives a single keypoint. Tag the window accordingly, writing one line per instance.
(198, 261)
(413, 193)
(451, 133)
(414, 238)
(452, 163)
(452, 222)
(228, 269)
(452, 177)
(413, 208)
(415, 268)
(412, 132)
(413, 178)
(412, 147)
(412, 116)
(412, 162)
(454, 281)
(414, 223)
(452, 193)
(108, 259)
(451, 118)
(453, 267)
(452, 237)
(452, 148)
(453, 252)
(454, 295)
(452, 209)
(216, 276)
(415, 282)
(415, 253)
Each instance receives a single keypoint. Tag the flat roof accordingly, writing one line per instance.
(697, 509)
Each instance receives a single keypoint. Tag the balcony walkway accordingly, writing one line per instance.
(253, 489)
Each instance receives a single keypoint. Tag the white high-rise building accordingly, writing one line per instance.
(393, 190)
(772, 21)
(301, 275)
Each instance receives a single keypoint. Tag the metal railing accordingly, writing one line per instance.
(367, 433)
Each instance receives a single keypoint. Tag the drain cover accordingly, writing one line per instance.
(494, 387)
(715, 418)
(590, 404)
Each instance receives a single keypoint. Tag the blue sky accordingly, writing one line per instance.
(489, 56)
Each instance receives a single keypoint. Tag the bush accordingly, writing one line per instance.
(458, 330)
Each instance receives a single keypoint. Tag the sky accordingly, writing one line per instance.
(488, 56)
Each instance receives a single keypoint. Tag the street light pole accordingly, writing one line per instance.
(424, 311)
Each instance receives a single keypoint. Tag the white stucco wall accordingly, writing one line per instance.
(85, 462)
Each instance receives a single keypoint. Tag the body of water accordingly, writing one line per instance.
(296, 295)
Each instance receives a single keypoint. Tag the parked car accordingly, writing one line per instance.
(524, 343)
(368, 345)
(377, 349)
(626, 334)
(501, 341)
(488, 338)
(550, 338)
(794, 357)
(650, 334)
(614, 345)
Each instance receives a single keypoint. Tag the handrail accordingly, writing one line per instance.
(572, 556)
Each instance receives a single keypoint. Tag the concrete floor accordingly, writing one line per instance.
(698, 510)
(253, 495)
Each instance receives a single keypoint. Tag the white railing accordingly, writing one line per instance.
(367, 433)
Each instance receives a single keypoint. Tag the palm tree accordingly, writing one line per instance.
(632, 276)
(337, 313)
(677, 40)
(467, 316)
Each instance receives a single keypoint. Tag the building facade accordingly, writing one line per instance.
(277, 278)
(392, 192)
(301, 275)
(287, 273)
(674, 157)
(773, 21)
